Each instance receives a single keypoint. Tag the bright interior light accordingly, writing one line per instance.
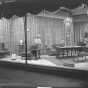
(68, 21)
(28, 29)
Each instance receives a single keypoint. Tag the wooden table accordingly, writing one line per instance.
(69, 50)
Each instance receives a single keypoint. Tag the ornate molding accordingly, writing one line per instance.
(56, 14)
(80, 10)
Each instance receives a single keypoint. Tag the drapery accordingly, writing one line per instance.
(79, 30)
(51, 30)
(11, 32)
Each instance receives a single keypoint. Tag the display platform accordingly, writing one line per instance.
(79, 70)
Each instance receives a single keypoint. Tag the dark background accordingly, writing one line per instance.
(19, 7)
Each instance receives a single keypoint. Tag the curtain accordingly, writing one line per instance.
(16, 32)
(79, 29)
(11, 32)
(51, 30)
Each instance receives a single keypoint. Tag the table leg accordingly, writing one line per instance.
(67, 52)
(75, 52)
(71, 51)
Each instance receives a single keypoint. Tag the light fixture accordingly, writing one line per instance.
(68, 21)
(28, 29)
(21, 42)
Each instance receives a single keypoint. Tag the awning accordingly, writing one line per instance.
(8, 8)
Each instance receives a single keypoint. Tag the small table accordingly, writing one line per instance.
(69, 50)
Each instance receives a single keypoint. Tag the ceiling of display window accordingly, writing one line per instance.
(8, 8)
